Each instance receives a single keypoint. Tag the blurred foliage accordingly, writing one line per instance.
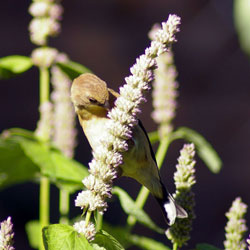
(242, 23)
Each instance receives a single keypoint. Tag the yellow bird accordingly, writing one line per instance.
(92, 100)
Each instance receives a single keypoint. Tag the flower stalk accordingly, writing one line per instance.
(6, 235)
(45, 23)
(164, 93)
(236, 226)
(64, 132)
(184, 177)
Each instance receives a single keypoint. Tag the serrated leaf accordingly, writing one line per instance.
(147, 243)
(205, 246)
(22, 150)
(242, 23)
(64, 237)
(13, 65)
(72, 69)
(106, 241)
(120, 233)
(203, 148)
(33, 231)
(130, 208)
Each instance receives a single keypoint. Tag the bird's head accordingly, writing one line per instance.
(89, 93)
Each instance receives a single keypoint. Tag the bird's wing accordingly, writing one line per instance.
(150, 146)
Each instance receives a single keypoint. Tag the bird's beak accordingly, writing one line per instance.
(106, 104)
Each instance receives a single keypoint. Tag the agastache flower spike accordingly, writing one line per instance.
(164, 89)
(64, 132)
(6, 235)
(44, 57)
(236, 226)
(45, 20)
(43, 129)
(123, 117)
(184, 178)
(248, 242)
(88, 230)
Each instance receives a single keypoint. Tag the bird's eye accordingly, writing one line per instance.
(92, 100)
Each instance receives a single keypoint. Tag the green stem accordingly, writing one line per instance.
(87, 219)
(44, 85)
(144, 192)
(44, 205)
(175, 246)
(44, 182)
(64, 206)
(99, 221)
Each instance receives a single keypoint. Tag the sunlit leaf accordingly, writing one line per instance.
(23, 157)
(72, 69)
(33, 231)
(13, 65)
(103, 239)
(64, 237)
(130, 208)
(203, 148)
(119, 232)
(147, 243)
(242, 23)
(15, 166)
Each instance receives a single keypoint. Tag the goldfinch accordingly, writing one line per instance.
(92, 100)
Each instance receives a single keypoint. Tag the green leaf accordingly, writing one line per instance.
(106, 241)
(130, 208)
(72, 69)
(15, 166)
(120, 233)
(64, 237)
(28, 156)
(52, 163)
(13, 65)
(33, 231)
(205, 246)
(22, 132)
(242, 23)
(203, 148)
(147, 243)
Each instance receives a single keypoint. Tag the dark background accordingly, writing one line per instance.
(107, 36)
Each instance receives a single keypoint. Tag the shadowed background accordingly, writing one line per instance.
(107, 36)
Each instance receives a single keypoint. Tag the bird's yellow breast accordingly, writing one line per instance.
(137, 161)
(94, 129)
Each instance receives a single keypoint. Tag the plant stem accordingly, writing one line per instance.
(175, 246)
(44, 182)
(44, 85)
(99, 221)
(87, 219)
(64, 206)
(44, 205)
(144, 192)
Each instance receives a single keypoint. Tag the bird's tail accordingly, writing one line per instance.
(171, 210)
